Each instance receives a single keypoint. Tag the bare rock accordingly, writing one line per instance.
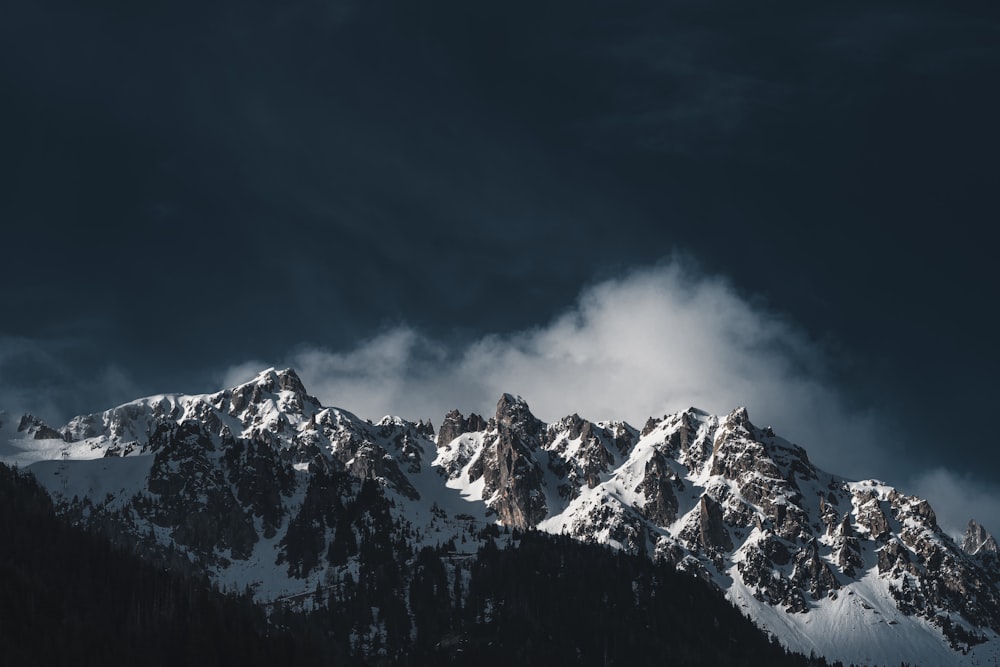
(456, 424)
(657, 485)
(513, 479)
(978, 541)
(712, 534)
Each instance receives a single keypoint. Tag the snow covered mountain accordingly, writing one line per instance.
(250, 485)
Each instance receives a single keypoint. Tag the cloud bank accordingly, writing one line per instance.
(654, 341)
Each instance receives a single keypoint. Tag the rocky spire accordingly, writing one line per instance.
(511, 474)
(455, 424)
(513, 414)
(740, 417)
(978, 541)
(712, 530)
(38, 429)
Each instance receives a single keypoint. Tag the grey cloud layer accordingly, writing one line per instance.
(654, 341)
(36, 377)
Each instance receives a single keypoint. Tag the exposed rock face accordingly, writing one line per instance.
(871, 517)
(847, 548)
(712, 533)
(426, 429)
(513, 479)
(524, 463)
(37, 429)
(514, 417)
(658, 487)
(580, 452)
(978, 541)
(455, 424)
(812, 573)
(760, 563)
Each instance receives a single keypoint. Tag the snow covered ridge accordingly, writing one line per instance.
(244, 483)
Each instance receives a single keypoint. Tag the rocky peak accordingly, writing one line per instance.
(740, 417)
(273, 381)
(425, 429)
(513, 413)
(245, 399)
(455, 424)
(650, 426)
(512, 476)
(289, 380)
(582, 451)
(576, 426)
(978, 541)
(712, 535)
(38, 429)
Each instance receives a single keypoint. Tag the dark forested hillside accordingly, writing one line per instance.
(68, 597)
(538, 600)
(548, 600)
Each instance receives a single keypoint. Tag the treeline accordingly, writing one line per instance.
(544, 600)
(69, 598)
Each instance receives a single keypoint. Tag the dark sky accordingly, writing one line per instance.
(188, 186)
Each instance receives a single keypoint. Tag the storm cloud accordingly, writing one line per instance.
(423, 205)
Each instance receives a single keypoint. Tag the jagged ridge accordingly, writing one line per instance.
(242, 483)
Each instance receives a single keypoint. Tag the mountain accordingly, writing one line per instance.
(266, 490)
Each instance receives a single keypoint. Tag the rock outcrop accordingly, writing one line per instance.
(513, 479)
(978, 541)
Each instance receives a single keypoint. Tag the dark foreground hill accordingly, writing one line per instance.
(69, 598)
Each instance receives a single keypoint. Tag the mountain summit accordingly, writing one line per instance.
(260, 487)
(978, 541)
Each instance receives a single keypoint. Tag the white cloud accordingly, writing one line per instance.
(654, 341)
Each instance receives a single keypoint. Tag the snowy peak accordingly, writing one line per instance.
(514, 416)
(287, 380)
(253, 484)
(285, 383)
(266, 396)
(978, 541)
